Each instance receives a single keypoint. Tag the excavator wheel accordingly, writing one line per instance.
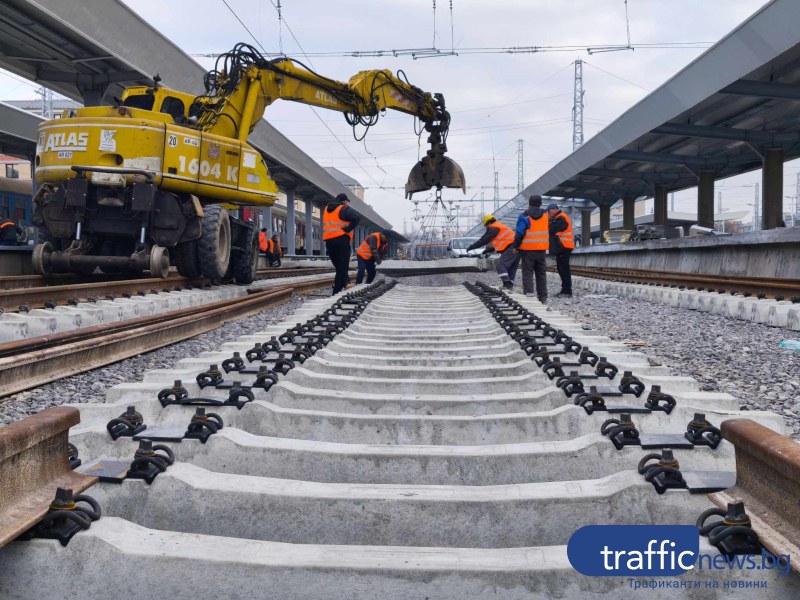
(41, 258)
(244, 263)
(186, 260)
(214, 246)
(159, 262)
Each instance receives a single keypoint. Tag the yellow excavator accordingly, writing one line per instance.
(150, 182)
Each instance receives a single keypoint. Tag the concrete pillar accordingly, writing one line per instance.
(772, 184)
(605, 219)
(290, 226)
(628, 212)
(586, 226)
(92, 96)
(660, 211)
(705, 199)
(309, 227)
(266, 219)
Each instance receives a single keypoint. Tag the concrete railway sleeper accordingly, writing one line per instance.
(397, 442)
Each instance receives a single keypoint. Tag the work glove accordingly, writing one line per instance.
(489, 250)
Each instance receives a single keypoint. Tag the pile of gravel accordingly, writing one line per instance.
(92, 385)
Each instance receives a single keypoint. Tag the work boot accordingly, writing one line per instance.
(563, 295)
(543, 299)
(508, 284)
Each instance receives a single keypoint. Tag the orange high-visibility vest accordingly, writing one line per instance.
(536, 236)
(333, 225)
(365, 252)
(275, 248)
(262, 241)
(566, 236)
(504, 238)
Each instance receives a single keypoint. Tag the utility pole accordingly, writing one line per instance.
(47, 102)
(672, 202)
(496, 191)
(719, 209)
(796, 213)
(756, 209)
(520, 168)
(577, 107)
(577, 116)
(483, 208)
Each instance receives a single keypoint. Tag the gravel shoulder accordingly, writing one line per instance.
(727, 355)
(92, 385)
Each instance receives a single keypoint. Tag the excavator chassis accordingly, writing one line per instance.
(136, 227)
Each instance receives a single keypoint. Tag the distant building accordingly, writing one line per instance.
(35, 106)
(347, 181)
(12, 167)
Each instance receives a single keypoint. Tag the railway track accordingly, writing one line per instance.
(35, 291)
(760, 287)
(394, 443)
(28, 363)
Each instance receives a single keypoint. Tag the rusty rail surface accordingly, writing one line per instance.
(59, 291)
(29, 363)
(768, 480)
(33, 464)
(755, 286)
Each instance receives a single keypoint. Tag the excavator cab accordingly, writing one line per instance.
(159, 99)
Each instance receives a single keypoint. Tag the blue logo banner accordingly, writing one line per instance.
(634, 550)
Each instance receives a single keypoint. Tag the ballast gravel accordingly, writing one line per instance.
(725, 355)
(92, 385)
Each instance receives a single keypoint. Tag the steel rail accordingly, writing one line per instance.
(33, 464)
(768, 481)
(29, 363)
(754, 286)
(63, 293)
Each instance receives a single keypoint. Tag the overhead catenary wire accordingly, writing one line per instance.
(306, 55)
(498, 50)
(247, 29)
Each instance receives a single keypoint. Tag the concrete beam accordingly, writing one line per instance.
(772, 186)
(309, 224)
(726, 133)
(605, 219)
(705, 199)
(601, 186)
(661, 176)
(763, 89)
(291, 230)
(628, 212)
(660, 210)
(586, 227)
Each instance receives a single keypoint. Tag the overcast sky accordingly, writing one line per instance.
(495, 99)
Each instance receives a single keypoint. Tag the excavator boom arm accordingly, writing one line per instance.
(245, 83)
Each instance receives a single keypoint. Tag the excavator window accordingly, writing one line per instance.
(143, 101)
(174, 107)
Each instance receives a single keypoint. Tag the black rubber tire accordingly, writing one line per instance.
(245, 264)
(214, 246)
(186, 260)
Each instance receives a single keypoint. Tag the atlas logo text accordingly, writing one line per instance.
(66, 141)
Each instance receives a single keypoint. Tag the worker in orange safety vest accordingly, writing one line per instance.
(370, 253)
